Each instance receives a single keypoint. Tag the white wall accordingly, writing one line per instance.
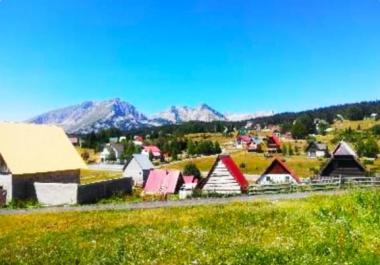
(316, 154)
(276, 179)
(6, 183)
(134, 171)
(54, 194)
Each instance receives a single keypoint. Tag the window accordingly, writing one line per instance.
(287, 178)
(267, 178)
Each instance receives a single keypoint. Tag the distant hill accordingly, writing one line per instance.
(93, 116)
(351, 111)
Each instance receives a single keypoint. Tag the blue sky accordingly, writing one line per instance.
(237, 56)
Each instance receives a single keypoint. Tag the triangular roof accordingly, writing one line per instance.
(344, 149)
(319, 146)
(354, 163)
(232, 168)
(283, 166)
(142, 160)
(275, 139)
(162, 181)
(30, 148)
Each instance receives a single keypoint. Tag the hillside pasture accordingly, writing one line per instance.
(362, 124)
(344, 229)
(255, 164)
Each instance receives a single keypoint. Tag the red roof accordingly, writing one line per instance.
(190, 180)
(152, 148)
(161, 181)
(138, 138)
(245, 138)
(233, 169)
(276, 140)
(279, 167)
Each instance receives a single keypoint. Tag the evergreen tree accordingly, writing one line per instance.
(191, 169)
(217, 149)
(191, 148)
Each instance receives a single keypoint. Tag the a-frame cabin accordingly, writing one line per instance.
(276, 173)
(344, 162)
(224, 177)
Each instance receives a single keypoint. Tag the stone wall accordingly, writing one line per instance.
(23, 187)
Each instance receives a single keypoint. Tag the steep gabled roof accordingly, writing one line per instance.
(142, 160)
(162, 181)
(232, 168)
(350, 166)
(344, 149)
(30, 148)
(277, 162)
(318, 145)
(275, 139)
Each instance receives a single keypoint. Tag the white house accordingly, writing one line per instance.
(111, 149)
(277, 173)
(317, 150)
(156, 152)
(138, 168)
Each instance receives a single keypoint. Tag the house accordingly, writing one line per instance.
(273, 144)
(344, 162)
(75, 140)
(138, 168)
(112, 152)
(138, 140)
(256, 145)
(190, 182)
(224, 177)
(162, 182)
(156, 152)
(276, 173)
(35, 153)
(243, 141)
(317, 150)
(188, 187)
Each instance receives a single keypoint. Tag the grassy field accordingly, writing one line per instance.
(256, 163)
(90, 176)
(363, 124)
(320, 230)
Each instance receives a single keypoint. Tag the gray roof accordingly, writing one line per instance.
(319, 146)
(118, 147)
(343, 149)
(143, 161)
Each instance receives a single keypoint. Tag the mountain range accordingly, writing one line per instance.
(92, 116)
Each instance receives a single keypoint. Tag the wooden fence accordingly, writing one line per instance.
(316, 184)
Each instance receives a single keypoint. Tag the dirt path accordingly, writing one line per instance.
(166, 204)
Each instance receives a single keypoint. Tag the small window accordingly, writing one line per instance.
(268, 178)
(287, 178)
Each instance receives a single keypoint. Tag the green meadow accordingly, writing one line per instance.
(340, 229)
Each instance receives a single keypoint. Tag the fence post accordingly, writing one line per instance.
(340, 181)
